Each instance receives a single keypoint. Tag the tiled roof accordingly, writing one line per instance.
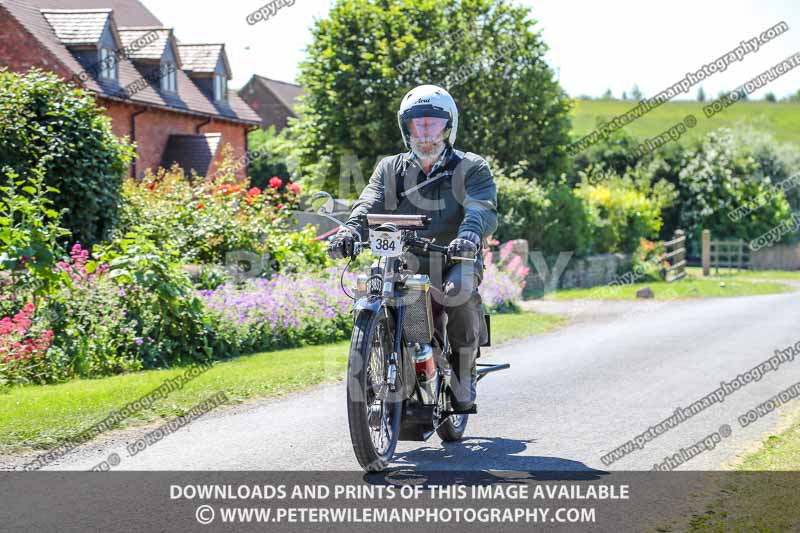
(287, 93)
(190, 98)
(126, 12)
(78, 26)
(191, 152)
(200, 57)
(154, 50)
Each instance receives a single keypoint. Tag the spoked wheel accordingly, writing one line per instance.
(453, 428)
(373, 411)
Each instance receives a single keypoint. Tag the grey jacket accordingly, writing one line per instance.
(460, 198)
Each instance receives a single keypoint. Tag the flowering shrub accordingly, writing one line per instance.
(503, 279)
(286, 310)
(648, 259)
(22, 349)
(95, 335)
(208, 219)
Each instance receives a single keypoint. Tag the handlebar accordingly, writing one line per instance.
(428, 246)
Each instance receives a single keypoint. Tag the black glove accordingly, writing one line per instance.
(342, 245)
(465, 246)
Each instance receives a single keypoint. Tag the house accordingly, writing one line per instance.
(273, 100)
(170, 97)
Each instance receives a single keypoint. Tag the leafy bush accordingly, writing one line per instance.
(170, 321)
(364, 57)
(551, 219)
(614, 153)
(47, 124)
(29, 233)
(623, 209)
(719, 178)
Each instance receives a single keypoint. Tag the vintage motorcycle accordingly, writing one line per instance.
(399, 366)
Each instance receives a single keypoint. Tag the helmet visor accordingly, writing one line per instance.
(427, 128)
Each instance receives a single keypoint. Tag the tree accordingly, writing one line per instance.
(770, 97)
(608, 95)
(795, 97)
(624, 95)
(636, 94)
(47, 124)
(368, 53)
(701, 94)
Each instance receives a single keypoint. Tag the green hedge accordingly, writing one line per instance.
(45, 123)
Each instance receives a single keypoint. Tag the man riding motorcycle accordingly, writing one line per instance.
(457, 191)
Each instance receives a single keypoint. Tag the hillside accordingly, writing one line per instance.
(782, 118)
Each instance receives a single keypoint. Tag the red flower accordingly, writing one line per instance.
(236, 188)
(200, 206)
(151, 185)
(295, 188)
(275, 182)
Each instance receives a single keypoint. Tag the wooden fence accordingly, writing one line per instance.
(676, 256)
(724, 253)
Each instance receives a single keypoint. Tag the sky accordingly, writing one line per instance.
(594, 46)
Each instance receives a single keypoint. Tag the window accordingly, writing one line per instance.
(220, 87)
(169, 78)
(108, 64)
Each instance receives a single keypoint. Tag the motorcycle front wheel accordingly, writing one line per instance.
(373, 411)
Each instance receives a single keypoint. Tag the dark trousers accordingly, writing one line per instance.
(464, 310)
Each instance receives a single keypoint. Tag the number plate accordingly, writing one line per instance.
(386, 243)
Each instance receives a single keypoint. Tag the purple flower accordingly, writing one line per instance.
(139, 341)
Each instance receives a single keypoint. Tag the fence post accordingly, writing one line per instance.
(706, 252)
(682, 256)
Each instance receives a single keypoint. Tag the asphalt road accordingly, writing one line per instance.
(571, 397)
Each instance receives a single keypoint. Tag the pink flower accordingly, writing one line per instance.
(275, 182)
(295, 188)
(506, 249)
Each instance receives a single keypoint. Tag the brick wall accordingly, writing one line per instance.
(154, 126)
(14, 38)
(19, 51)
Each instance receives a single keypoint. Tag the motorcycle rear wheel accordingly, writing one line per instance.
(452, 430)
(373, 412)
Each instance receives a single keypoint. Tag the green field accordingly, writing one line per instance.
(781, 119)
(45, 416)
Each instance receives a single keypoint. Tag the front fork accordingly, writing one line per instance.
(390, 294)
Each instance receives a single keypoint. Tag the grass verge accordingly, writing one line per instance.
(45, 416)
(759, 496)
(690, 287)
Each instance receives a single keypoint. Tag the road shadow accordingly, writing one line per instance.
(481, 460)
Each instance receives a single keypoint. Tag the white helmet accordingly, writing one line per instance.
(428, 101)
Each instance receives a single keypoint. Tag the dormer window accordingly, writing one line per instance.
(169, 78)
(108, 64)
(220, 87)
